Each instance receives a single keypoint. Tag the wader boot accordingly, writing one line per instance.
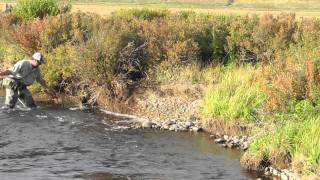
(16, 90)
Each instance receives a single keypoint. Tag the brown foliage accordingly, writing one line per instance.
(7, 20)
(29, 34)
(289, 81)
(310, 76)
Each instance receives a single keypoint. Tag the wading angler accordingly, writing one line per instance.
(23, 74)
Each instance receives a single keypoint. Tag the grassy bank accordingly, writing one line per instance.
(262, 71)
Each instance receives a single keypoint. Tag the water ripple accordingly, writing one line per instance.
(53, 143)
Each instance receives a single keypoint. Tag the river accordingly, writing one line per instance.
(51, 143)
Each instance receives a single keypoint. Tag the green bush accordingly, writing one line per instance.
(219, 41)
(109, 59)
(58, 31)
(28, 9)
(239, 37)
(60, 67)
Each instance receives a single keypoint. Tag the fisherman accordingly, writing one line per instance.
(19, 77)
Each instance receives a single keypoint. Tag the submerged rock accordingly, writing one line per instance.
(212, 136)
(146, 124)
(165, 127)
(220, 140)
(196, 129)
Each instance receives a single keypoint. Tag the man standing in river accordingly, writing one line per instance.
(19, 77)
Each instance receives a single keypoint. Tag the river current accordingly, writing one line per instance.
(51, 143)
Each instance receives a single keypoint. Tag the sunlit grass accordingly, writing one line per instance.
(236, 95)
(300, 138)
(190, 74)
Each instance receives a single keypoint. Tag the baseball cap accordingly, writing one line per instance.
(39, 57)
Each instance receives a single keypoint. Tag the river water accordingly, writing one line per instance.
(52, 143)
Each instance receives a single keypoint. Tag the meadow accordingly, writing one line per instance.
(302, 8)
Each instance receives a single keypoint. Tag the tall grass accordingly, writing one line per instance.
(237, 95)
(299, 138)
(144, 13)
(186, 74)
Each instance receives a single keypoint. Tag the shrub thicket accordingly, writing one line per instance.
(174, 41)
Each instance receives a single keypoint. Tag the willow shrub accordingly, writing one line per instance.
(28, 9)
(292, 77)
(237, 95)
(60, 67)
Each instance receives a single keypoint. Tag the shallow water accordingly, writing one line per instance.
(54, 143)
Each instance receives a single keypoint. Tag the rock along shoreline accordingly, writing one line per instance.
(176, 110)
(193, 125)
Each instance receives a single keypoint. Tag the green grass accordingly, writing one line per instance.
(237, 95)
(300, 138)
(297, 134)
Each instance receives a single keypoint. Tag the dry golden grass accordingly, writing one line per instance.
(2, 5)
(276, 1)
(107, 9)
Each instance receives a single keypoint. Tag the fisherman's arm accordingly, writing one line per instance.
(46, 89)
(13, 71)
